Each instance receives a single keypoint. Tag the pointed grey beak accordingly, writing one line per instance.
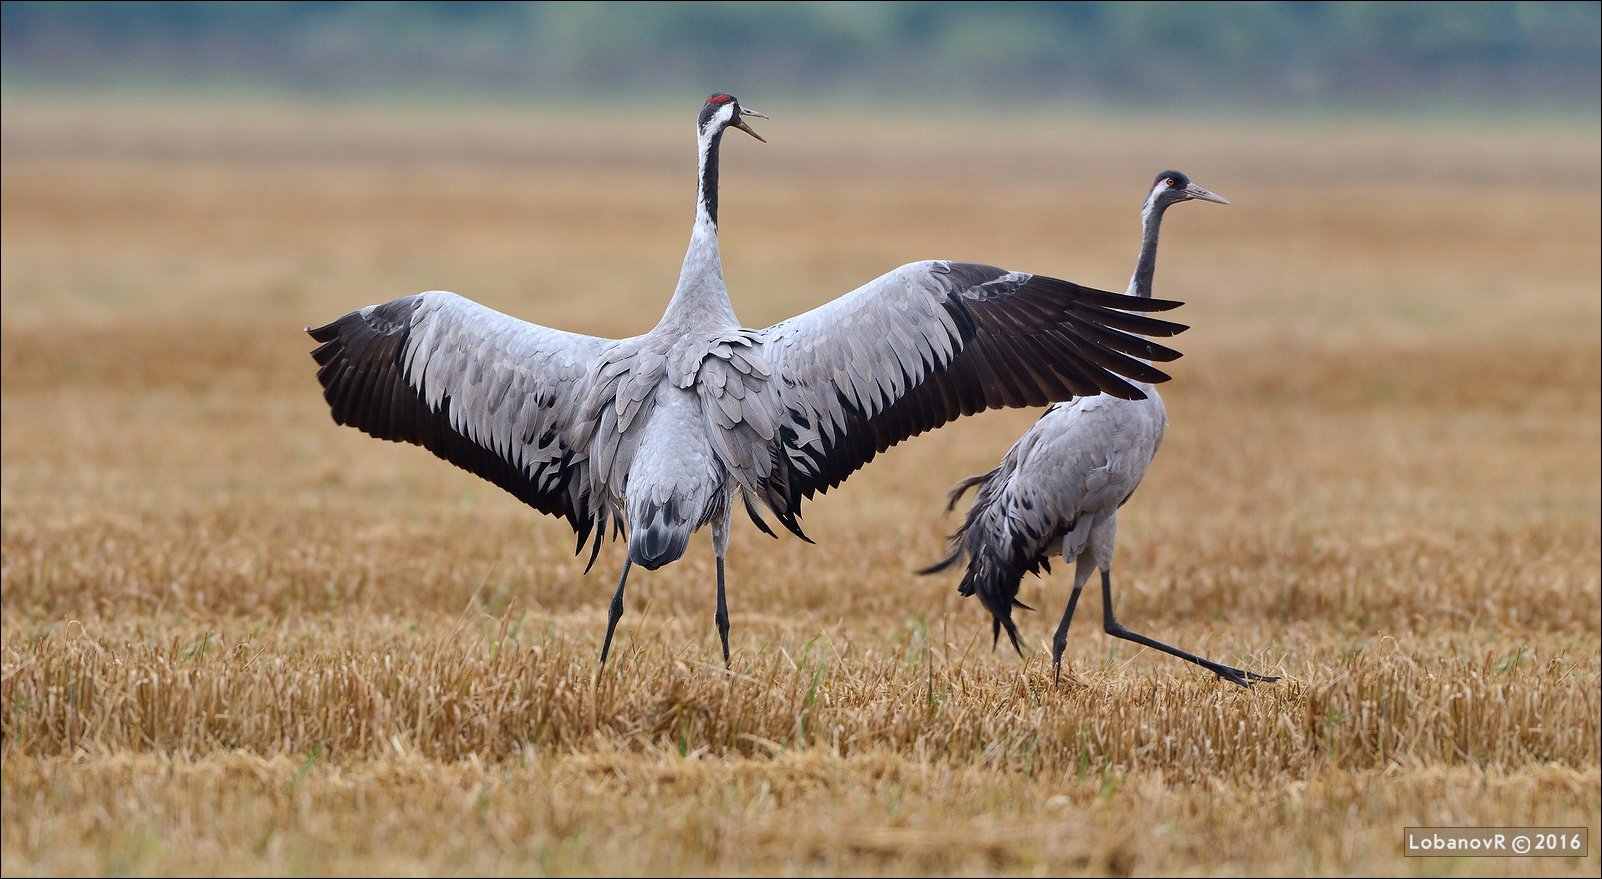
(1194, 191)
(740, 123)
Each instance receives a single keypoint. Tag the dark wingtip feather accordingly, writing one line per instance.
(1128, 322)
(1162, 304)
(595, 548)
(1122, 390)
(1124, 301)
(1120, 364)
(788, 518)
(1104, 335)
(582, 530)
(756, 518)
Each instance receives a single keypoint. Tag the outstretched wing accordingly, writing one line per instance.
(933, 341)
(487, 392)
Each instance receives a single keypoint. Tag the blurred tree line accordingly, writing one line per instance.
(1153, 53)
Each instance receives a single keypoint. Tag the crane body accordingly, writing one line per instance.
(1058, 490)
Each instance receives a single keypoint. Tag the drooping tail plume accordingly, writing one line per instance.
(990, 575)
(995, 581)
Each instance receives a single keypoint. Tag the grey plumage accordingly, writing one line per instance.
(655, 434)
(1058, 489)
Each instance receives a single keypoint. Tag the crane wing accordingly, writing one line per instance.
(930, 342)
(487, 392)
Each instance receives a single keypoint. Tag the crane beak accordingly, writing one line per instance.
(740, 123)
(1194, 191)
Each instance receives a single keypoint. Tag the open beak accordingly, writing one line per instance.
(740, 123)
(1194, 191)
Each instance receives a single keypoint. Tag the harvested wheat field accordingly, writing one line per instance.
(239, 639)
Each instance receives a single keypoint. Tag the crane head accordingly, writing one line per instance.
(723, 111)
(1172, 187)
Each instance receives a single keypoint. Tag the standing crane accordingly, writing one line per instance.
(1059, 487)
(657, 433)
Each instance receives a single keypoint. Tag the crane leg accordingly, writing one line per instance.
(1117, 630)
(721, 617)
(616, 613)
(1059, 641)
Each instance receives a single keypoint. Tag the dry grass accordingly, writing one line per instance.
(237, 639)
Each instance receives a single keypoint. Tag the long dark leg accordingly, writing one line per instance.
(616, 612)
(1117, 630)
(1059, 642)
(722, 615)
(720, 548)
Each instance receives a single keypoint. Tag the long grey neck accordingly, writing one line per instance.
(1151, 219)
(701, 300)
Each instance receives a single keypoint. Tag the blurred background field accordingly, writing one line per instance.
(239, 639)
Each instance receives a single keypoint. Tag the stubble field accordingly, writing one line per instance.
(238, 639)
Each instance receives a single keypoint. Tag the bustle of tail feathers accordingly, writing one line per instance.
(989, 576)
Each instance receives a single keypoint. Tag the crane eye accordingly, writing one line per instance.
(1170, 182)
